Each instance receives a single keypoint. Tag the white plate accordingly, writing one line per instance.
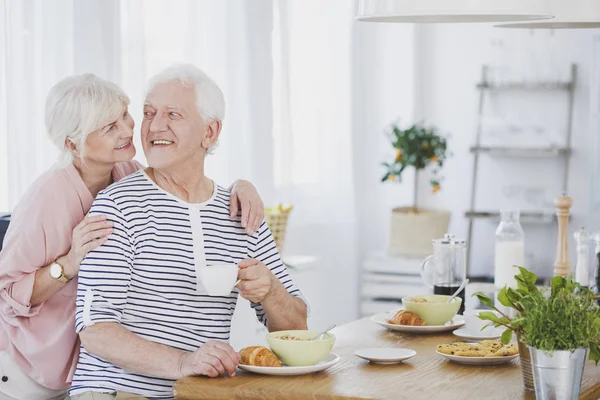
(329, 360)
(451, 325)
(385, 355)
(479, 360)
(463, 333)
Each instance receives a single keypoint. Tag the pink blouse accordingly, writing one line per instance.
(41, 339)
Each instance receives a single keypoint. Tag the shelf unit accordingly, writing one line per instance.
(526, 216)
(526, 85)
(521, 152)
(478, 150)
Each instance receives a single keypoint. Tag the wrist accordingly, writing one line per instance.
(69, 271)
(181, 362)
(275, 289)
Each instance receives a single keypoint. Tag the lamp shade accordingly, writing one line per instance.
(568, 14)
(444, 11)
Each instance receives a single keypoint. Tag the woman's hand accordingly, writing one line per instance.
(244, 196)
(90, 234)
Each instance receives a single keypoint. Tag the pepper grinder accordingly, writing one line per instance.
(582, 268)
(562, 265)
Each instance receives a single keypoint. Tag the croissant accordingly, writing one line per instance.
(259, 356)
(404, 317)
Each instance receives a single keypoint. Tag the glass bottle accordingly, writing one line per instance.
(510, 249)
(582, 268)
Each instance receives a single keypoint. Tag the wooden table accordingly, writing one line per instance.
(425, 376)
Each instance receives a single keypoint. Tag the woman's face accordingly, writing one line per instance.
(113, 142)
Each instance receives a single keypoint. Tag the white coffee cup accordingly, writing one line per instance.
(219, 279)
(474, 325)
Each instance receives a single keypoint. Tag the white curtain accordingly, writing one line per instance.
(284, 67)
(42, 42)
(313, 163)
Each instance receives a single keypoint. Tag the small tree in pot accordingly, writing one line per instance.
(417, 147)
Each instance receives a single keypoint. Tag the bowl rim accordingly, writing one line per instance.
(270, 336)
(457, 299)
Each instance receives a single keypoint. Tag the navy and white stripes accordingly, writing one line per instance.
(144, 276)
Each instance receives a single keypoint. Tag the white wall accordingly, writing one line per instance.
(450, 58)
(383, 69)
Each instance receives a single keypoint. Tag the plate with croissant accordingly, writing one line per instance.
(486, 352)
(261, 360)
(406, 321)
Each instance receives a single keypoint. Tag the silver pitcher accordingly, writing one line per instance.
(557, 376)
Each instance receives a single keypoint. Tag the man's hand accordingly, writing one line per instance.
(257, 281)
(212, 359)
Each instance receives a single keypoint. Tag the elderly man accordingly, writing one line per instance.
(143, 317)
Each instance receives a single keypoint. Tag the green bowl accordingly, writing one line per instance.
(300, 353)
(435, 311)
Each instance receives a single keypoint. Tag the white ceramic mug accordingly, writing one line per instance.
(219, 279)
(474, 325)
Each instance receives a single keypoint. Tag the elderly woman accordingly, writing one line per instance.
(143, 315)
(49, 235)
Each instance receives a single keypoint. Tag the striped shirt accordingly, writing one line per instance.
(144, 277)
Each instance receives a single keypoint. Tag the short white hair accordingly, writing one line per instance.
(210, 101)
(77, 106)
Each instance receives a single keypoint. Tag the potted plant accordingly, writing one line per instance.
(555, 327)
(413, 228)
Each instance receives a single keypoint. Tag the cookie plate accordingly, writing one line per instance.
(491, 360)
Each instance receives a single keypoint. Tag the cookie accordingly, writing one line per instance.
(486, 351)
(492, 344)
(471, 353)
(452, 348)
(509, 350)
(463, 345)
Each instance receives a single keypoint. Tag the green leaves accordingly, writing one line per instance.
(566, 320)
(515, 298)
(506, 336)
(595, 352)
(484, 299)
(563, 286)
(526, 282)
(491, 316)
(503, 298)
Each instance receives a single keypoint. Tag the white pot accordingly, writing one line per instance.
(411, 233)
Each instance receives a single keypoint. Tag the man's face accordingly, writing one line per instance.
(173, 131)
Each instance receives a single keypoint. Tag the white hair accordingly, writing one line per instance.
(210, 101)
(77, 106)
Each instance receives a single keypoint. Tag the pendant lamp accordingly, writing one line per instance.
(568, 14)
(446, 11)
